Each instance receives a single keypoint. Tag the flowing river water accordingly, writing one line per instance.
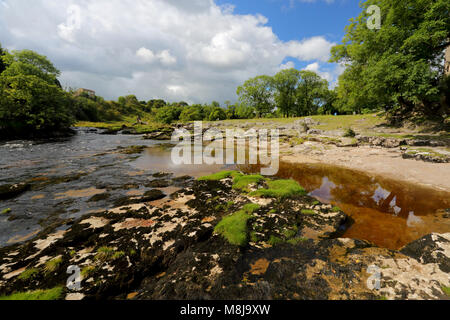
(88, 173)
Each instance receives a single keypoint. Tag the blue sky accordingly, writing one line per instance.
(297, 20)
(178, 50)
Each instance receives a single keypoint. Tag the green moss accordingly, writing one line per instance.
(315, 203)
(382, 298)
(297, 240)
(308, 212)
(242, 182)
(280, 189)
(234, 228)
(50, 294)
(250, 208)
(273, 241)
(6, 211)
(28, 274)
(290, 233)
(72, 253)
(219, 176)
(52, 265)
(118, 255)
(254, 237)
(336, 209)
(446, 290)
(133, 252)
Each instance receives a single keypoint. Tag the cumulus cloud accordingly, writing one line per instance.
(195, 50)
(331, 74)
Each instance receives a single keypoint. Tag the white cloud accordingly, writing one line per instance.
(330, 74)
(147, 55)
(195, 50)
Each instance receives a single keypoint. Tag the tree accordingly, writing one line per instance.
(285, 84)
(243, 111)
(398, 67)
(168, 114)
(217, 114)
(2, 64)
(30, 99)
(192, 113)
(311, 93)
(257, 93)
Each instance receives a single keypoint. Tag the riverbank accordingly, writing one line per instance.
(415, 155)
(238, 236)
(139, 227)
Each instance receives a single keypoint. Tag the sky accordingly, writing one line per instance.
(196, 51)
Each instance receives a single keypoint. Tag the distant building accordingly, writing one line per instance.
(89, 93)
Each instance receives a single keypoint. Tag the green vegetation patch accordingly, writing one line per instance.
(6, 211)
(295, 241)
(308, 212)
(105, 253)
(219, 176)
(28, 274)
(87, 271)
(241, 182)
(273, 241)
(234, 227)
(280, 189)
(50, 294)
(52, 265)
(446, 290)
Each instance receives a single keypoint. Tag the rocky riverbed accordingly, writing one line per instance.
(177, 249)
(136, 227)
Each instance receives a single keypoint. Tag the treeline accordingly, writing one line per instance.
(290, 93)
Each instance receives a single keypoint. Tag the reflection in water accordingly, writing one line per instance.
(386, 212)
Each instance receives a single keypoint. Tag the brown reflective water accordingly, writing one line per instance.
(386, 212)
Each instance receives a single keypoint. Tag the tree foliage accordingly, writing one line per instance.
(30, 99)
(256, 92)
(398, 67)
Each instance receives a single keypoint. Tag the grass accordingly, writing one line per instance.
(280, 189)
(87, 271)
(104, 253)
(50, 294)
(52, 265)
(234, 227)
(28, 274)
